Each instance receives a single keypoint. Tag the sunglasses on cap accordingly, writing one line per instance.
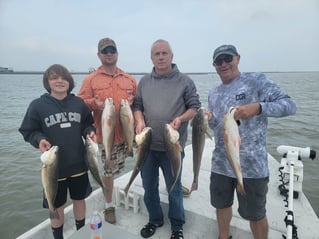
(107, 50)
(225, 58)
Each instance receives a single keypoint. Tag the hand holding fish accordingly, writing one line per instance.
(44, 145)
(139, 122)
(130, 97)
(92, 136)
(99, 103)
(208, 114)
(247, 111)
(176, 123)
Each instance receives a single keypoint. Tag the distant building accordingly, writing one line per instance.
(5, 69)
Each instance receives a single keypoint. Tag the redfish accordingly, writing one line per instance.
(232, 144)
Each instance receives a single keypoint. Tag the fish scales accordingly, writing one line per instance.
(232, 144)
(92, 160)
(108, 127)
(143, 142)
(49, 177)
(173, 150)
(127, 123)
(199, 131)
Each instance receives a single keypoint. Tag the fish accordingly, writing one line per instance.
(91, 159)
(143, 142)
(127, 123)
(108, 127)
(49, 177)
(199, 131)
(173, 151)
(232, 144)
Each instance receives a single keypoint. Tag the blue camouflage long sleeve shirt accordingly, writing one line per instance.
(247, 88)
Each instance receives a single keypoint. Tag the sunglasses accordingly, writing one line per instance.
(108, 50)
(225, 58)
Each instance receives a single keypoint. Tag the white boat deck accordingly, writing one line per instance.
(200, 215)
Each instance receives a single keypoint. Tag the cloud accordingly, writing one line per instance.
(269, 34)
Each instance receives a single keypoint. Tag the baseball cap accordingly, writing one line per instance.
(225, 49)
(105, 42)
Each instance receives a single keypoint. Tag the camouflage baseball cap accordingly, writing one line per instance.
(105, 42)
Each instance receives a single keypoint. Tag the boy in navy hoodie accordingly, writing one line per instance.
(63, 119)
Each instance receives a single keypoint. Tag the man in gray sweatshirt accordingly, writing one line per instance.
(165, 96)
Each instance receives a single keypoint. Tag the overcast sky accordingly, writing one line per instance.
(270, 35)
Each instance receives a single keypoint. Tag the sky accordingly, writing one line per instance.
(270, 35)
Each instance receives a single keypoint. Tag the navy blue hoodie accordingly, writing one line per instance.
(63, 123)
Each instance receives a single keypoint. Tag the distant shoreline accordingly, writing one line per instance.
(86, 73)
(132, 73)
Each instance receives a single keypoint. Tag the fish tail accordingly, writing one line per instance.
(129, 152)
(186, 191)
(54, 214)
(240, 188)
(194, 186)
(126, 190)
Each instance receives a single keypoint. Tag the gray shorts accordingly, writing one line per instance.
(252, 205)
(117, 163)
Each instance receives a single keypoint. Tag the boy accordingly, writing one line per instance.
(61, 118)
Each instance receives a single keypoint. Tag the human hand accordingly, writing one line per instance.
(130, 98)
(208, 113)
(92, 136)
(98, 102)
(139, 126)
(44, 145)
(176, 123)
(247, 111)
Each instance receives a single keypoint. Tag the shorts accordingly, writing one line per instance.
(252, 205)
(117, 162)
(79, 189)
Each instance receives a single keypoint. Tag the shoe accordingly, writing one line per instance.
(109, 215)
(230, 237)
(177, 235)
(149, 229)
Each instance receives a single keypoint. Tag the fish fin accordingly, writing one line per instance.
(129, 153)
(186, 191)
(226, 138)
(208, 135)
(126, 190)
(194, 186)
(109, 122)
(179, 147)
(54, 214)
(240, 189)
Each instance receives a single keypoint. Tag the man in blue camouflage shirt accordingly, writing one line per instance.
(255, 98)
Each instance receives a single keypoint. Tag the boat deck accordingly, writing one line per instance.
(200, 215)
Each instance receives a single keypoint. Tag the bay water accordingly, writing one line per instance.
(21, 188)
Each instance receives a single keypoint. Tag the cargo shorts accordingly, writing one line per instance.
(251, 206)
(117, 163)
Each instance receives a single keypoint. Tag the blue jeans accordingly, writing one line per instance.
(150, 178)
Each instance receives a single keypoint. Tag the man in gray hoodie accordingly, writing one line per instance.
(165, 96)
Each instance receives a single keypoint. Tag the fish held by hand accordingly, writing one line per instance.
(91, 159)
(173, 151)
(108, 127)
(143, 142)
(49, 177)
(127, 123)
(232, 144)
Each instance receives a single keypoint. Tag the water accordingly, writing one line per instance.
(21, 190)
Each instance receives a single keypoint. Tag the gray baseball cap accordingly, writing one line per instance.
(225, 49)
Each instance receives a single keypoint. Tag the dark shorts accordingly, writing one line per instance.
(79, 188)
(252, 205)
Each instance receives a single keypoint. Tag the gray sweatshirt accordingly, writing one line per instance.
(162, 99)
(247, 88)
